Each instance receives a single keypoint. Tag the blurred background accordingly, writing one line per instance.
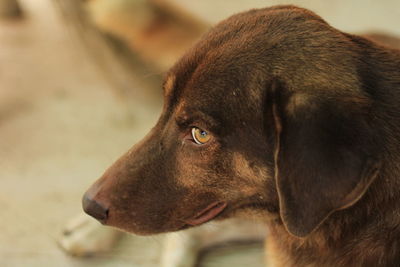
(80, 83)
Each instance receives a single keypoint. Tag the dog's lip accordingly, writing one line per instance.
(205, 215)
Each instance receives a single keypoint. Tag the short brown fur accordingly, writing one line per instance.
(305, 126)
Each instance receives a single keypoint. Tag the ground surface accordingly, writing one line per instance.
(61, 125)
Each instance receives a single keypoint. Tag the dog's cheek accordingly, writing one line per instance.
(228, 175)
(195, 165)
(250, 176)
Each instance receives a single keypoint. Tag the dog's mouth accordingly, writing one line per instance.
(207, 214)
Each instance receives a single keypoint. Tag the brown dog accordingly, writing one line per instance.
(276, 113)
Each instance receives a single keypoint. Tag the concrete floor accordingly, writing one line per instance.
(61, 125)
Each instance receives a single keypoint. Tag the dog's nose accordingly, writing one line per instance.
(95, 209)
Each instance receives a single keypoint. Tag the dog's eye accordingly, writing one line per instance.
(199, 136)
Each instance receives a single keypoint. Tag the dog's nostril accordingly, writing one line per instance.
(95, 209)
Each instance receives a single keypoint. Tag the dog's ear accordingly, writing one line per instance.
(324, 154)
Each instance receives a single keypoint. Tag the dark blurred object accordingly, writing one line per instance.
(10, 9)
(158, 31)
(132, 41)
(122, 68)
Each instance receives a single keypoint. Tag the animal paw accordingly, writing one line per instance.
(84, 236)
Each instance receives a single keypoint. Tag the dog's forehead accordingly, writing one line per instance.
(290, 43)
(228, 70)
(232, 86)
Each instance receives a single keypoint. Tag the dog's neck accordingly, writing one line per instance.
(365, 234)
(368, 233)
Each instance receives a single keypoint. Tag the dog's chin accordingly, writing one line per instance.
(204, 215)
(138, 226)
(215, 211)
(144, 230)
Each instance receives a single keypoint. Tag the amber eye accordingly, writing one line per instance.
(200, 137)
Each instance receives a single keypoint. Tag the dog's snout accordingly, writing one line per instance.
(95, 209)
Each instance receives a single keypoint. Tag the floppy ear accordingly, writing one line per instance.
(324, 155)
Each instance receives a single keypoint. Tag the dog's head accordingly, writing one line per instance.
(267, 113)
